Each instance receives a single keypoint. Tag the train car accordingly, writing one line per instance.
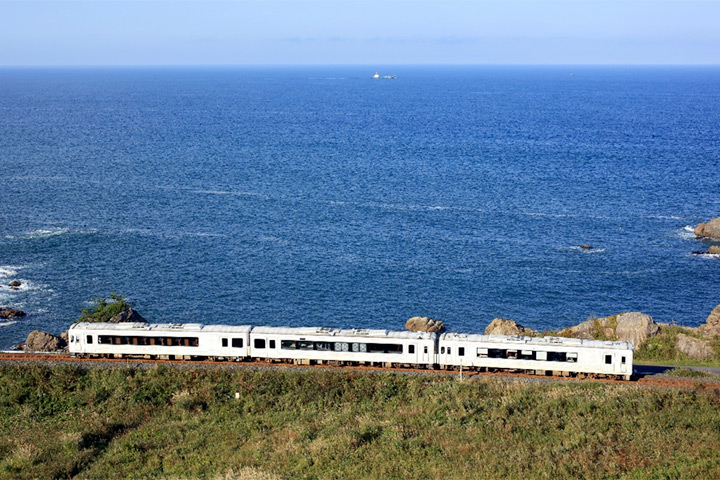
(164, 340)
(544, 355)
(356, 346)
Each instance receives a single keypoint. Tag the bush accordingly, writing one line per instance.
(103, 309)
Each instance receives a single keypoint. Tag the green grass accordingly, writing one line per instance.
(662, 349)
(178, 424)
(690, 373)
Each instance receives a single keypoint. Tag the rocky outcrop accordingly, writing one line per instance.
(714, 249)
(711, 327)
(15, 284)
(710, 229)
(694, 348)
(424, 324)
(503, 326)
(6, 312)
(634, 327)
(586, 246)
(38, 341)
(128, 315)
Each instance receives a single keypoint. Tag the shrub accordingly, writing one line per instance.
(103, 309)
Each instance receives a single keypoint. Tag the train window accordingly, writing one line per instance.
(442, 350)
(448, 350)
(237, 342)
(571, 357)
(512, 354)
(622, 360)
(224, 342)
(326, 346)
(541, 355)
(482, 352)
(425, 350)
(608, 359)
(272, 343)
(461, 351)
(89, 339)
(259, 343)
(384, 348)
(411, 348)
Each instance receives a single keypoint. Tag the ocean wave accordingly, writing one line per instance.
(687, 232)
(25, 285)
(587, 250)
(707, 256)
(7, 271)
(230, 192)
(665, 217)
(6, 324)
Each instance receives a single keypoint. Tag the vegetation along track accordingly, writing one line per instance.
(59, 358)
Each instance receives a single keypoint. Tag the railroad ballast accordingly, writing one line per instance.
(540, 355)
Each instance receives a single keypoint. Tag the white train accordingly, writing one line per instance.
(310, 346)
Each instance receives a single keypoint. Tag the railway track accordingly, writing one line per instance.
(646, 380)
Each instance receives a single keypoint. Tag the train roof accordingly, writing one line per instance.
(160, 327)
(538, 341)
(337, 332)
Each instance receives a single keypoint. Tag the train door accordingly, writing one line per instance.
(620, 362)
(426, 354)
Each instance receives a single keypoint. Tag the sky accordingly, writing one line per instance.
(367, 32)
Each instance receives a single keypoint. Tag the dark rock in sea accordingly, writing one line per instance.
(15, 284)
(6, 312)
(128, 315)
(710, 229)
(38, 341)
(424, 324)
(712, 250)
(586, 246)
(503, 326)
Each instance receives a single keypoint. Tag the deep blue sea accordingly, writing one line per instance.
(319, 196)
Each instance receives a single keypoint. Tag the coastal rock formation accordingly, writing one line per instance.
(503, 326)
(6, 312)
(711, 326)
(586, 246)
(710, 229)
(424, 324)
(15, 284)
(714, 249)
(694, 347)
(38, 341)
(635, 327)
(128, 315)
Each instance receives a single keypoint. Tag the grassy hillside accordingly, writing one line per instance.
(160, 423)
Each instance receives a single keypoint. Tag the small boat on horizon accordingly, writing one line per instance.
(384, 77)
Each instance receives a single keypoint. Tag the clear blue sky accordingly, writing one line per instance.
(372, 32)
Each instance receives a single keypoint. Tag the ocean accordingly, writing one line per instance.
(318, 196)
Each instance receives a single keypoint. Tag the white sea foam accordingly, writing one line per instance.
(687, 232)
(665, 217)
(230, 192)
(43, 233)
(707, 256)
(587, 250)
(7, 271)
(5, 324)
